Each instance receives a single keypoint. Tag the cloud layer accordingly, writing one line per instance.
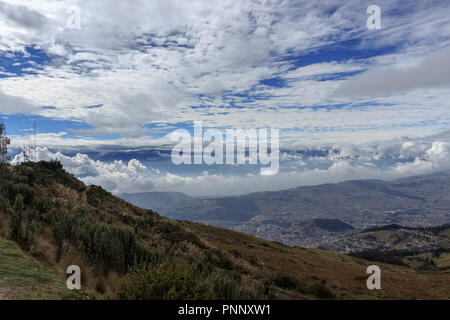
(230, 63)
(315, 165)
(429, 72)
(343, 96)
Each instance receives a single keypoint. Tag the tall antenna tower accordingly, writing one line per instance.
(4, 143)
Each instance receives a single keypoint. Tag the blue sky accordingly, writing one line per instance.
(133, 72)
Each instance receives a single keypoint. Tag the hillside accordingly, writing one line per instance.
(130, 253)
(281, 215)
(345, 276)
(417, 248)
(23, 277)
(394, 237)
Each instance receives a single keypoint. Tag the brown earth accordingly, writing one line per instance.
(6, 294)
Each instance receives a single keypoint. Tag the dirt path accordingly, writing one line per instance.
(6, 294)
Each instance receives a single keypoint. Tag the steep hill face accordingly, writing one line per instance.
(280, 216)
(23, 277)
(59, 221)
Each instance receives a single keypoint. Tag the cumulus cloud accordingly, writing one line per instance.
(300, 167)
(114, 176)
(15, 104)
(151, 61)
(23, 16)
(431, 71)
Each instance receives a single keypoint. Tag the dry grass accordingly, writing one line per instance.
(23, 277)
(44, 250)
(344, 276)
(73, 257)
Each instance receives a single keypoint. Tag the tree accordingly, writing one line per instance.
(16, 219)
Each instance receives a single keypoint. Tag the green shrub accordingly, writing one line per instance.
(284, 281)
(226, 287)
(166, 281)
(220, 259)
(321, 291)
(22, 224)
(15, 221)
(109, 247)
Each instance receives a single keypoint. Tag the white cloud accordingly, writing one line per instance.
(148, 61)
(325, 164)
(431, 71)
(15, 104)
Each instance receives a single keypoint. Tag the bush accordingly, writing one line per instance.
(284, 281)
(220, 259)
(227, 287)
(11, 190)
(321, 291)
(107, 246)
(15, 221)
(167, 281)
(94, 193)
(22, 225)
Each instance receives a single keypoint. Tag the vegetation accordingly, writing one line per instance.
(29, 279)
(168, 281)
(129, 253)
(390, 257)
(108, 236)
(106, 246)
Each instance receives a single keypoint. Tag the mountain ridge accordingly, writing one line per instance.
(413, 201)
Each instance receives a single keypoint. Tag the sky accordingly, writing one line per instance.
(107, 82)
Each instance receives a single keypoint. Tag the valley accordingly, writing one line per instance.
(290, 216)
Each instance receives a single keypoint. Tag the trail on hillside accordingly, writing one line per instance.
(6, 294)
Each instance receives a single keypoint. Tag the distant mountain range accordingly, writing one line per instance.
(310, 216)
(159, 201)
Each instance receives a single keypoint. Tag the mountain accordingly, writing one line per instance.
(52, 220)
(332, 225)
(157, 201)
(280, 216)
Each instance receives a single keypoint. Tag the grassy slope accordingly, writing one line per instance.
(345, 276)
(23, 277)
(254, 259)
